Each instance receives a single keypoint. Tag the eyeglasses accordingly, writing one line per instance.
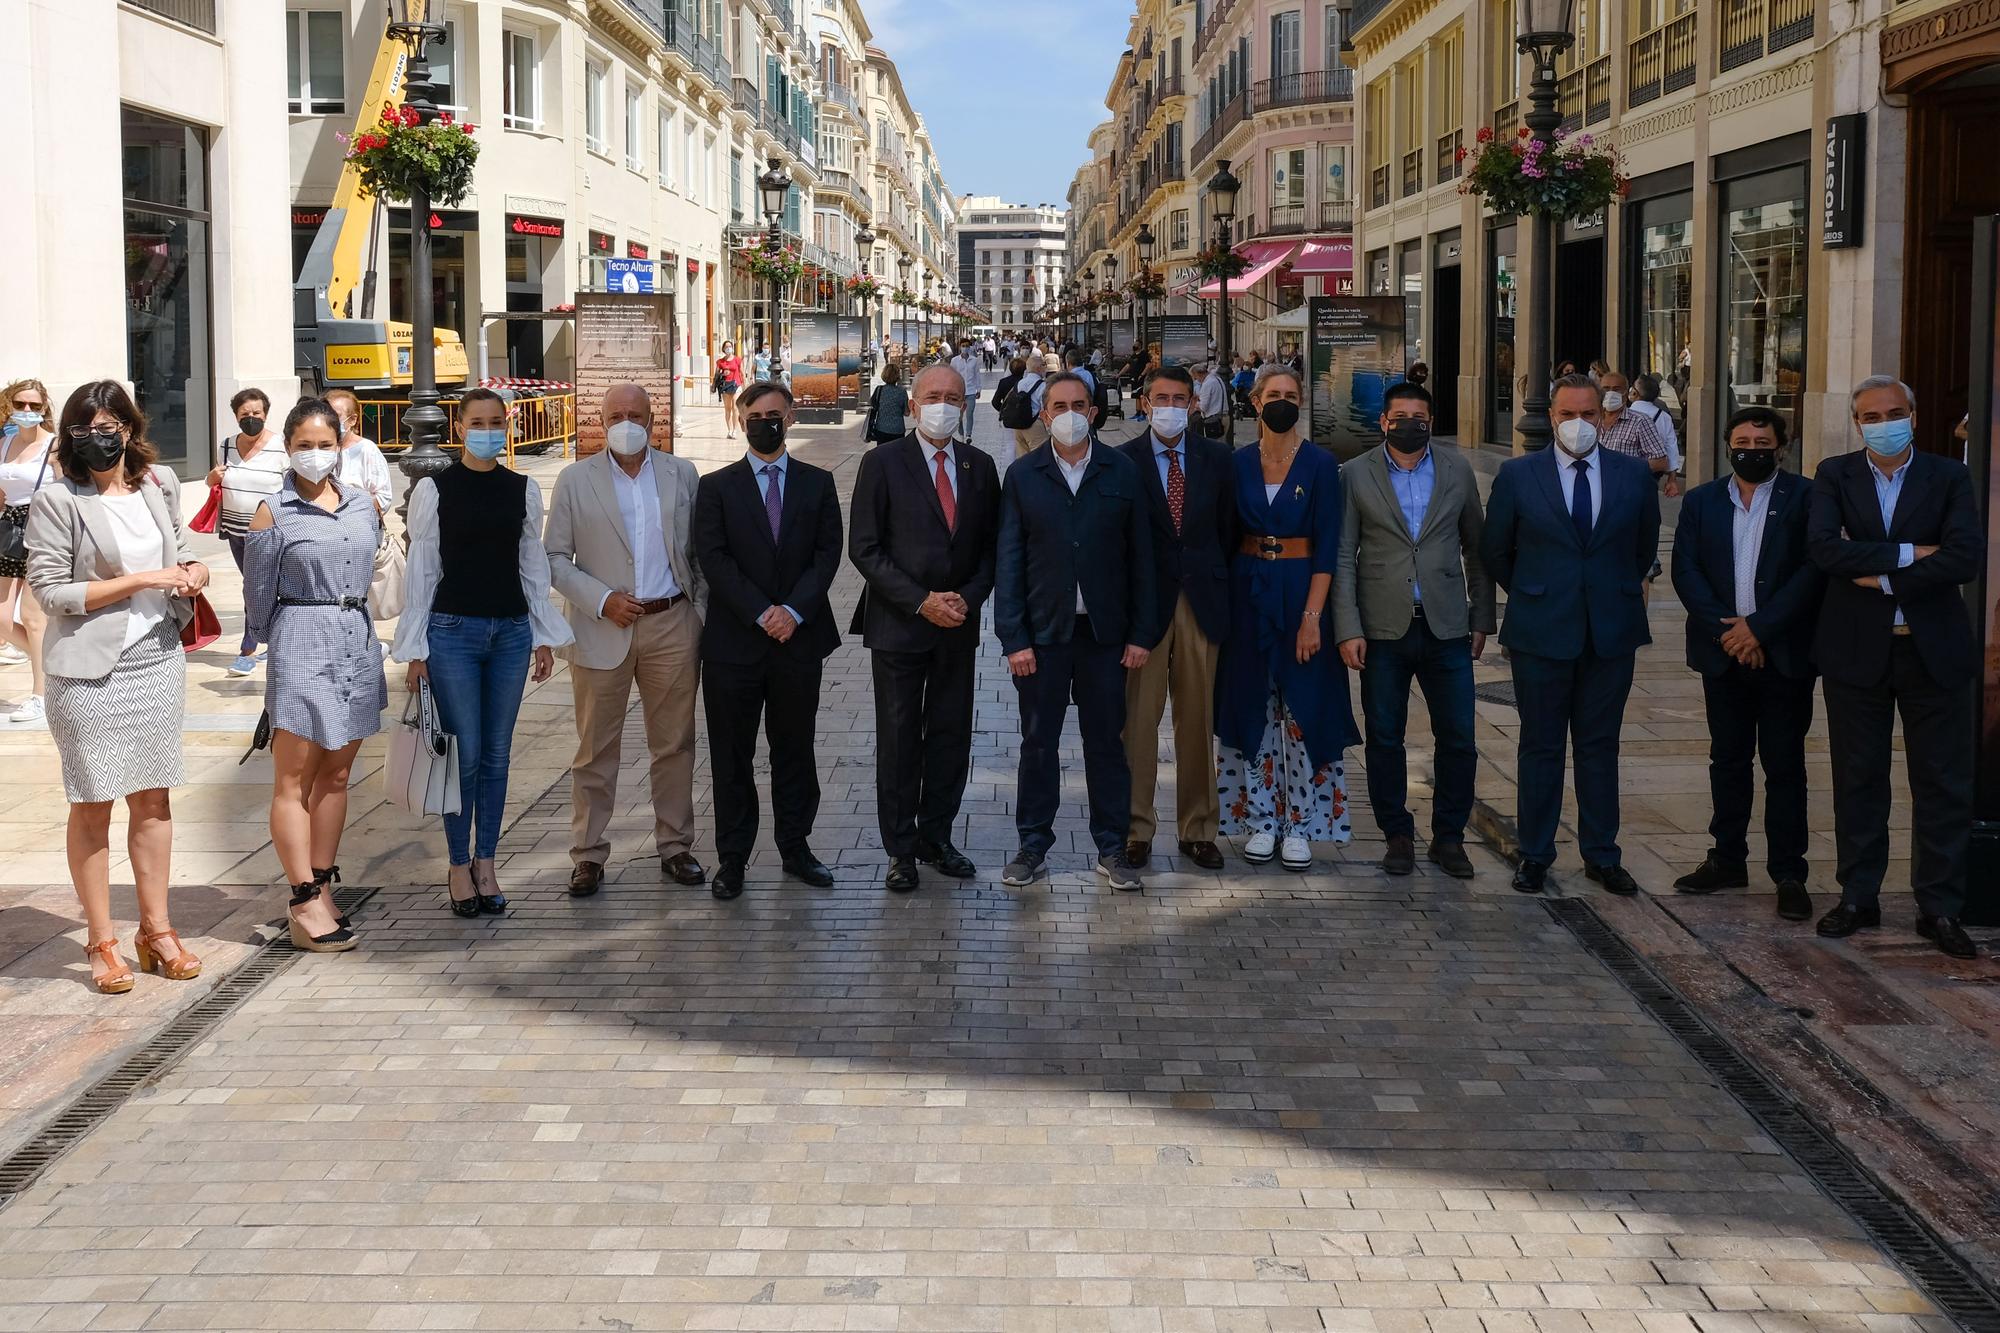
(85, 432)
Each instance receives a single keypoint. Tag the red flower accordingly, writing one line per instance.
(467, 127)
(1485, 134)
(1523, 132)
(445, 119)
(1459, 156)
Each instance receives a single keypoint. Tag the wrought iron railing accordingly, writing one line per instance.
(1752, 29)
(1661, 61)
(747, 98)
(198, 14)
(1233, 113)
(1302, 89)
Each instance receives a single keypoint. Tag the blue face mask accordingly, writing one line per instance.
(1887, 438)
(488, 444)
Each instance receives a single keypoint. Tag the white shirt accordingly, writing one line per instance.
(1073, 477)
(426, 568)
(362, 466)
(248, 482)
(1663, 424)
(1209, 396)
(1746, 540)
(968, 367)
(138, 539)
(21, 477)
(933, 452)
(645, 532)
(1566, 475)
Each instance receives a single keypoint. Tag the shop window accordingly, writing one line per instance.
(1763, 347)
(1500, 333)
(167, 287)
(521, 93)
(1663, 304)
(316, 62)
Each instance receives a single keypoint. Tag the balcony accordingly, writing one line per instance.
(1218, 19)
(1661, 61)
(843, 96)
(1583, 96)
(1234, 112)
(1309, 88)
(196, 14)
(1413, 172)
(1752, 29)
(746, 96)
(1365, 12)
(1449, 167)
(1285, 220)
(1300, 219)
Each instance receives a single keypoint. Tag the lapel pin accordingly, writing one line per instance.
(1298, 492)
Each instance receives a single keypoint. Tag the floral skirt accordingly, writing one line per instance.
(1277, 790)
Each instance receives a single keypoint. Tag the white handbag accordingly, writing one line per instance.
(421, 775)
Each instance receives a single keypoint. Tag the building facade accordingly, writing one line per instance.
(1011, 257)
(916, 221)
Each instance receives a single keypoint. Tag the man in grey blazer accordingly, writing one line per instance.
(1411, 600)
(619, 540)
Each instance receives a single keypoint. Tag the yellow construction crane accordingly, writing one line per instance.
(337, 341)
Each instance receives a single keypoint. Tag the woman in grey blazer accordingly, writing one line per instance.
(108, 561)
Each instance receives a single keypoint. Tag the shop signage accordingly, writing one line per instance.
(694, 268)
(601, 243)
(526, 226)
(634, 250)
(441, 219)
(628, 275)
(1840, 182)
(308, 217)
(1590, 224)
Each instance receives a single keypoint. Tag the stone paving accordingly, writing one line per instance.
(1244, 1101)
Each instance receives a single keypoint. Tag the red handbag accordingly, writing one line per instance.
(211, 510)
(204, 628)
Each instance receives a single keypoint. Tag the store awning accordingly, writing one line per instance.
(1263, 256)
(1325, 254)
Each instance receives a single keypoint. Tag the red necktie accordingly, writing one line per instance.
(1176, 487)
(945, 496)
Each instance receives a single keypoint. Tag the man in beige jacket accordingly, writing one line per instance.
(618, 542)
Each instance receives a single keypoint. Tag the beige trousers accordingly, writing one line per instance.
(665, 660)
(1183, 666)
(1027, 440)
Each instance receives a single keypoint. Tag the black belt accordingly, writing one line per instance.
(344, 603)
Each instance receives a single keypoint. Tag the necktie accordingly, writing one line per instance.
(1579, 500)
(945, 497)
(1176, 487)
(774, 503)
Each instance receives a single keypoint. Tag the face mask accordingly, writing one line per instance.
(939, 420)
(766, 435)
(1577, 437)
(1407, 436)
(1170, 423)
(252, 426)
(1887, 438)
(627, 438)
(26, 420)
(1755, 466)
(1614, 401)
(1280, 416)
(314, 464)
(100, 450)
(487, 444)
(1070, 429)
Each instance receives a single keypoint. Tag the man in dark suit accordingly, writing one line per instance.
(1897, 533)
(1191, 503)
(1752, 595)
(1073, 604)
(767, 535)
(926, 516)
(1571, 534)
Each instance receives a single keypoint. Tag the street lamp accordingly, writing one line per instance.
(864, 248)
(1222, 190)
(1085, 286)
(1546, 32)
(1145, 241)
(903, 285)
(409, 23)
(773, 186)
(1110, 293)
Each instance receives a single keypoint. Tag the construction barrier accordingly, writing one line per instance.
(536, 423)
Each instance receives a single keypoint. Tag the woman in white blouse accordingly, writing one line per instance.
(362, 466)
(476, 609)
(250, 467)
(26, 465)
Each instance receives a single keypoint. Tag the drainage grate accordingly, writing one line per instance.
(25, 1164)
(1496, 692)
(1939, 1273)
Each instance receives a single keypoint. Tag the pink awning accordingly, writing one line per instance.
(1325, 254)
(1263, 256)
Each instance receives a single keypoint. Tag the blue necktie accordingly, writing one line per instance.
(1579, 500)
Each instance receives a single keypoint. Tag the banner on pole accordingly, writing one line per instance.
(1355, 352)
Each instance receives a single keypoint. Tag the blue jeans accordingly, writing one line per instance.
(1443, 668)
(248, 644)
(478, 667)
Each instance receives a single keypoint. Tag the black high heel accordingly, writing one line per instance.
(465, 907)
(492, 904)
(331, 875)
(338, 940)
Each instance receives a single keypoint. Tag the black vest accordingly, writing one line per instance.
(480, 515)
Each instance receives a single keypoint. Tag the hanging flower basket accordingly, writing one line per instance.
(1572, 177)
(864, 288)
(782, 266)
(1220, 261)
(1146, 285)
(402, 155)
(928, 306)
(904, 296)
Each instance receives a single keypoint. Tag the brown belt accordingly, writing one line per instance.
(659, 604)
(1278, 548)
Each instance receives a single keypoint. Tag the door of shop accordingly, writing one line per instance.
(1579, 300)
(1951, 183)
(1446, 288)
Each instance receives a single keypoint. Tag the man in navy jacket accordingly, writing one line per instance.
(1572, 533)
(1752, 594)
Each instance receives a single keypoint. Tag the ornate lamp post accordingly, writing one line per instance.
(772, 188)
(424, 421)
(903, 284)
(1110, 290)
(1222, 191)
(1145, 241)
(864, 249)
(1546, 31)
(1085, 285)
(923, 308)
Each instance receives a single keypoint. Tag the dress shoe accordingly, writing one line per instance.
(1794, 903)
(1448, 854)
(583, 880)
(1712, 874)
(1138, 855)
(682, 868)
(1203, 853)
(902, 876)
(1845, 919)
(1531, 877)
(728, 881)
(946, 860)
(803, 865)
(1947, 934)
(1615, 879)
(1401, 858)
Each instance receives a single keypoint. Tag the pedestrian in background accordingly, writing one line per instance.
(1752, 594)
(1018, 401)
(760, 370)
(1645, 402)
(476, 610)
(968, 366)
(27, 464)
(250, 468)
(728, 380)
(1413, 602)
(108, 560)
(1633, 434)
(1282, 718)
(362, 465)
(308, 559)
(1212, 402)
(888, 407)
(620, 543)
(1897, 534)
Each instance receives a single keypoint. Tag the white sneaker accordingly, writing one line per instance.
(1297, 854)
(30, 711)
(1261, 848)
(11, 656)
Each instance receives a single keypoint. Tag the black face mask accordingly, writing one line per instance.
(98, 451)
(1755, 466)
(250, 425)
(1408, 436)
(765, 434)
(1280, 416)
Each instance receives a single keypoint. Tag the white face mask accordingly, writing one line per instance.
(939, 420)
(1169, 423)
(1577, 436)
(314, 464)
(1070, 429)
(627, 438)
(1614, 401)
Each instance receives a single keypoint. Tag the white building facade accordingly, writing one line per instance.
(1011, 257)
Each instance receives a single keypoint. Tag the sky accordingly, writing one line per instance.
(1009, 88)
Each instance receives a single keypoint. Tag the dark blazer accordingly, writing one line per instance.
(1195, 560)
(748, 573)
(1559, 586)
(897, 538)
(1052, 542)
(1789, 586)
(1845, 536)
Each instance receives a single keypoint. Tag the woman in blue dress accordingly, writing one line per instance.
(1282, 716)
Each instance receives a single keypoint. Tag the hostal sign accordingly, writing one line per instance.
(1840, 182)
